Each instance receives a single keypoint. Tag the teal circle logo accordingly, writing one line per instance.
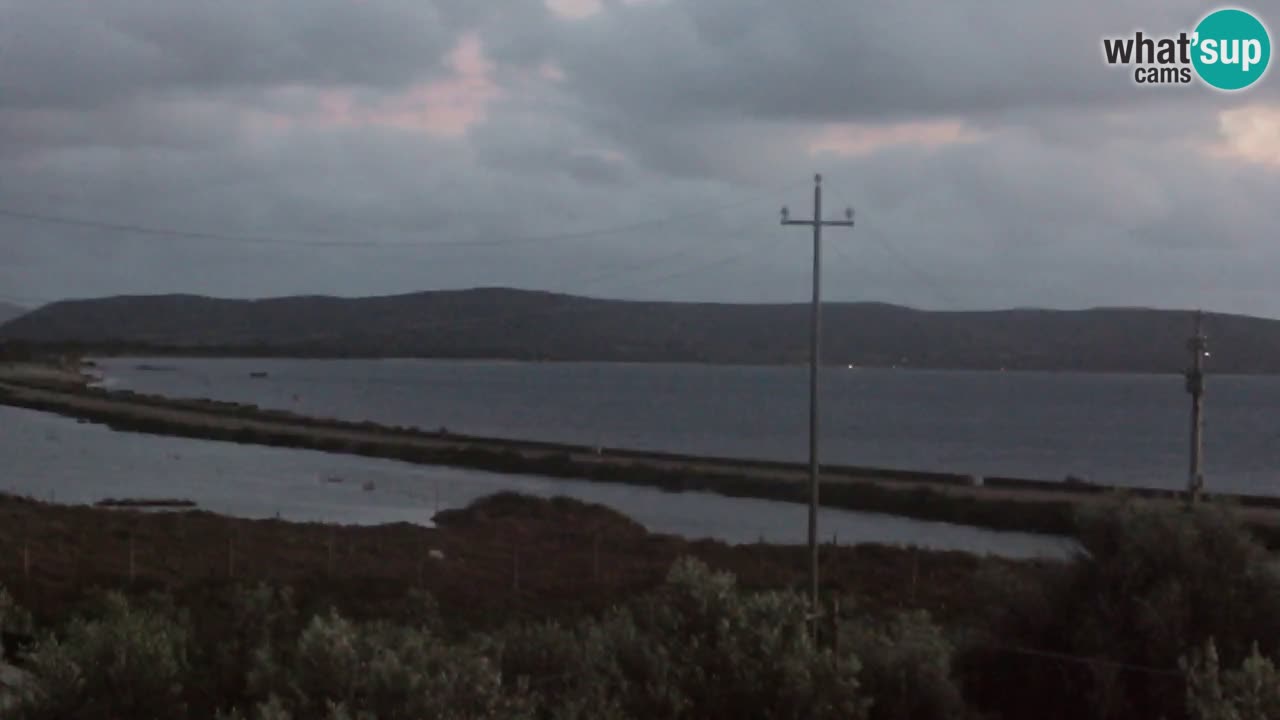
(1232, 49)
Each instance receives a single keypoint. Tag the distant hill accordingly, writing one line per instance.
(526, 325)
(9, 311)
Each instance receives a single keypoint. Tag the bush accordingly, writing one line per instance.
(1170, 580)
(1150, 586)
(341, 669)
(696, 648)
(745, 656)
(127, 663)
(1251, 692)
(258, 621)
(906, 667)
(13, 617)
(570, 674)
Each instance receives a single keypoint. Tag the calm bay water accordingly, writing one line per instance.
(55, 458)
(1122, 429)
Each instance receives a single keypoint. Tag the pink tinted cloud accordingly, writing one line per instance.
(1249, 134)
(445, 108)
(580, 9)
(551, 72)
(851, 139)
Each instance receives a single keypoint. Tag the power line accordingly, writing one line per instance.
(714, 264)
(921, 276)
(16, 300)
(131, 229)
(1091, 661)
(624, 271)
(175, 233)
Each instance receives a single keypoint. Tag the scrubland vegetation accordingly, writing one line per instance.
(1163, 614)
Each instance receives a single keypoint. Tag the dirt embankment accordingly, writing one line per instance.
(1004, 504)
(67, 374)
(506, 556)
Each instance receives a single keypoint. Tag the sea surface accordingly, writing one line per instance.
(1129, 430)
(59, 459)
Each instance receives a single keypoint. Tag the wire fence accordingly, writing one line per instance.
(125, 554)
(506, 571)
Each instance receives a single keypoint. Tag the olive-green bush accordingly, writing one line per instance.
(1150, 586)
(698, 647)
(906, 662)
(126, 662)
(1249, 692)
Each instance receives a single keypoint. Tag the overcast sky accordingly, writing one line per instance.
(628, 148)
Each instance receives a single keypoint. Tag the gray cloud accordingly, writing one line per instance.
(838, 61)
(1070, 187)
(68, 53)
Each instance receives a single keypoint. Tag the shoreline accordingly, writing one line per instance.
(996, 503)
(130, 350)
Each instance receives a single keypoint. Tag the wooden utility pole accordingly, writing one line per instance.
(1198, 346)
(815, 346)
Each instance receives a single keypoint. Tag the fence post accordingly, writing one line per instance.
(332, 539)
(515, 569)
(835, 627)
(915, 571)
(595, 558)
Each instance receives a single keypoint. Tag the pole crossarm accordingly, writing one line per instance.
(824, 223)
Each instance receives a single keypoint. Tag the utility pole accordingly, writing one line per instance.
(1195, 385)
(815, 346)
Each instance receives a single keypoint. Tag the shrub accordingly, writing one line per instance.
(13, 617)
(1150, 586)
(906, 664)
(127, 663)
(570, 674)
(341, 669)
(1170, 580)
(698, 647)
(1251, 692)
(259, 621)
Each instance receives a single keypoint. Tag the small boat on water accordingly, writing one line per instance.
(368, 486)
(258, 374)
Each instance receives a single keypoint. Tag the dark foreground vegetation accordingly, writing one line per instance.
(1163, 615)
